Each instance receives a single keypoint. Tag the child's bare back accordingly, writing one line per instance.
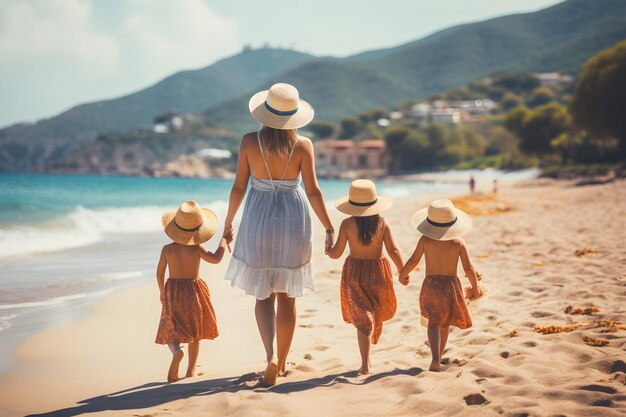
(183, 261)
(357, 248)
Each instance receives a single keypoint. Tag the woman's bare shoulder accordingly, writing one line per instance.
(248, 139)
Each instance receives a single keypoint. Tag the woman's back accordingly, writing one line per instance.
(441, 256)
(275, 163)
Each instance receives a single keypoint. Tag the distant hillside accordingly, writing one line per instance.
(33, 146)
(561, 37)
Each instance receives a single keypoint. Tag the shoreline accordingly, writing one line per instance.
(100, 356)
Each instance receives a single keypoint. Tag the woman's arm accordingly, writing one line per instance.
(337, 250)
(238, 192)
(313, 192)
(392, 248)
(160, 274)
(412, 263)
(469, 268)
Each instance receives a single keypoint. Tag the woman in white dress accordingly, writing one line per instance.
(272, 255)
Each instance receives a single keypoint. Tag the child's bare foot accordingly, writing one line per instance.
(172, 373)
(271, 372)
(364, 370)
(434, 367)
(190, 373)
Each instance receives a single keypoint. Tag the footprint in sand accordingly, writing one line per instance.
(305, 326)
(530, 344)
(475, 399)
(305, 316)
(540, 314)
(310, 310)
(457, 362)
(321, 348)
(599, 388)
(505, 355)
(308, 356)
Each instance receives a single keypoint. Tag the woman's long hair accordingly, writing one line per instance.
(367, 227)
(278, 142)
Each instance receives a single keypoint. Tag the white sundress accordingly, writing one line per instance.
(273, 247)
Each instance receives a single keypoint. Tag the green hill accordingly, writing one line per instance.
(561, 37)
(33, 146)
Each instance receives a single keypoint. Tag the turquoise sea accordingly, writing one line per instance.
(67, 240)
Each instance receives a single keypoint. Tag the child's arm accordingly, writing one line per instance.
(160, 274)
(337, 249)
(469, 268)
(412, 263)
(392, 248)
(216, 257)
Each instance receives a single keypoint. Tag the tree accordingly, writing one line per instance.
(510, 101)
(407, 149)
(350, 127)
(537, 129)
(541, 95)
(321, 129)
(600, 98)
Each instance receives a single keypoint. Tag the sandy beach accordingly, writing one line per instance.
(543, 245)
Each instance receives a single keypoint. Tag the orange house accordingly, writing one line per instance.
(348, 158)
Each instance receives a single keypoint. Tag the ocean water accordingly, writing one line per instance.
(67, 240)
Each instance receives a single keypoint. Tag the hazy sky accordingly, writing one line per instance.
(58, 53)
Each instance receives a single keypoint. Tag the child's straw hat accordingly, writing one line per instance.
(280, 107)
(362, 200)
(441, 221)
(190, 224)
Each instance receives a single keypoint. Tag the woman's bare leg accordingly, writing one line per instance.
(266, 322)
(285, 326)
(193, 348)
(434, 340)
(443, 331)
(365, 343)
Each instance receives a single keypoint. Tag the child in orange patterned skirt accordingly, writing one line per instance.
(442, 301)
(367, 295)
(187, 314)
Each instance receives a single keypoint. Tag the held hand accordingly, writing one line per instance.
(228, 236)
(404, 280)
(330, 239)
(473, 293)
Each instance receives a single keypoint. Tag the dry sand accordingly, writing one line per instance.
(524, 244)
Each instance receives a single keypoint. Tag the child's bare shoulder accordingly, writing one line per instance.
(348, 223)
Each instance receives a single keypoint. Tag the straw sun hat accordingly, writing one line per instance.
(280, 107)
(441, 221)
(362, 200)
(190, 224)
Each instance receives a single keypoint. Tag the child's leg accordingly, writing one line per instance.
(194, 349)
(443, 331)
(177, 357)
(434, 340)
(365, 342)
(266, 322)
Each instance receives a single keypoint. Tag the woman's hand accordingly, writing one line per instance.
(228, 230)
(330, 239)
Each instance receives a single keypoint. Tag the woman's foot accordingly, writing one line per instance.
(434, 367)
(172, 373)
(190, 373)
(271, 372)
(364, 370)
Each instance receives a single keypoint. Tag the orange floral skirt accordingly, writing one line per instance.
(367, 295)
(442, 302)
(187, 314)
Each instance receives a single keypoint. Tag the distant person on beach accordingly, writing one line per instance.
(272, 255)
(441, 297)
(495, 187)
(367, 295)
(472, 185)
(187, 314)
